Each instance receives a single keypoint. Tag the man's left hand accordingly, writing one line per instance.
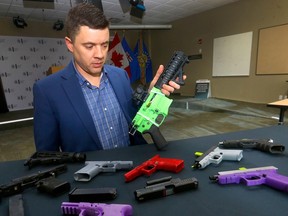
(167, 89)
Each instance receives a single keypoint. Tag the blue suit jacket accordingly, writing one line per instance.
(62, 119)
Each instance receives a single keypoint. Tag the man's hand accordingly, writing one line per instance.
(166, 89)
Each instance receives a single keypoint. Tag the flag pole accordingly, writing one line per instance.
(142, 59)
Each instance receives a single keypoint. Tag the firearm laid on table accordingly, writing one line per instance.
(50, 157)
(165, 186)
(215, 155)
(266, 145)
(18, 185)
(85, 208)
(156, 105)
(93, 168)
(251, 177)
(152, 165)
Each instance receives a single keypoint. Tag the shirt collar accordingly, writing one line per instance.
(83, 81)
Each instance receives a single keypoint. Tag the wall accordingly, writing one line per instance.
(235, 18)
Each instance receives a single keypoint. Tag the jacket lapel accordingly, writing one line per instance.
(74, 93)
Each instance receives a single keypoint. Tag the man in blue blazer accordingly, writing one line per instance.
(87, 106)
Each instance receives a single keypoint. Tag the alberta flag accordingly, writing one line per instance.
(116, 55)
(144, 60)
(133, 61)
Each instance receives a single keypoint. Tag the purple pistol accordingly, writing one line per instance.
(252, 177)
(95, 209)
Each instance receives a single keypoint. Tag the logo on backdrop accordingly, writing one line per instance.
(12, 49)
(8, 90)
(28, 89)
(27, 73)
(21, 97)
(21, 41)
(16, 66)
(53, 50)
(24, 58)
(60, 42)
(34, 49)
(5, 74)
(18, 81)
(3, 58)
(44, 57)
(36, 65)
(62, 57)
(12, 106)
(41, 41)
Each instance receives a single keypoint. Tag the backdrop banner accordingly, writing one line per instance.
(24, 60)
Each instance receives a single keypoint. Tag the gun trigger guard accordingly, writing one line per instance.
(149, 170)
(245, 181)
(217, 158)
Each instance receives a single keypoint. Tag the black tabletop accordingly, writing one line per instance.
(209, 199)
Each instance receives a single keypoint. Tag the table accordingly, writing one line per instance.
(209, 199)
(283, 105)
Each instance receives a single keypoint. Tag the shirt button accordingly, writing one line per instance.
(111, 128)
(105, 109)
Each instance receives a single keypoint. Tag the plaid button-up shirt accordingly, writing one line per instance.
(108, 118)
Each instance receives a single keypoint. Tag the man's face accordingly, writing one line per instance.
(89, 49)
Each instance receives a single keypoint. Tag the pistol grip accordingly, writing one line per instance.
(180, 80)
(157, 137)
(87, 173)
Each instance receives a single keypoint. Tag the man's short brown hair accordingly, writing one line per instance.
(84, 14)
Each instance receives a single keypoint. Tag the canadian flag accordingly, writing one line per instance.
(117, 56)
